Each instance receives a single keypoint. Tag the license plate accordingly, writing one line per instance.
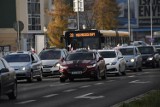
(76, 72)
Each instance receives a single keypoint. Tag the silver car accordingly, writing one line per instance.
(50, 58)
(26, 64)
(133, 57)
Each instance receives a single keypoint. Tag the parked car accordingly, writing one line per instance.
(26, 64)
(50, 58)
(82, 64)
(150, 56)
(115, 62)
(138, 43)
(8, 81)
(132, 56)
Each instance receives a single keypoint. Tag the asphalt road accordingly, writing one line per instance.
(84, 92)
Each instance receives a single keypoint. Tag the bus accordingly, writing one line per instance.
(94, 39)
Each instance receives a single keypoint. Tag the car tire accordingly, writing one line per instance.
(13, 95)
(40, 76)
(30, 79)
(104, 77)
(62, 80)
(71, 79)
(97, 75)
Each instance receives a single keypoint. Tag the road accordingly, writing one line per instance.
(84, 92)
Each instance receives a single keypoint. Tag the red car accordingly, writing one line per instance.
(82, 64)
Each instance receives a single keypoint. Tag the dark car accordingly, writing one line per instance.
(82, 64)
(150, 56)
(26, 64)
(8, 81)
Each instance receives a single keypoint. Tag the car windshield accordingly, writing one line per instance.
(81, 56)
(127, 51)
(50, 54)
(17, 58)
(108, 54)
(146, 50)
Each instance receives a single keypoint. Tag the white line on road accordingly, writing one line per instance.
(59, 84)
(85, 86)
(70, 90)
(100, 83)
(51, 95)
(89, 97)
(132, 76)
(25, 102)
(138, 81)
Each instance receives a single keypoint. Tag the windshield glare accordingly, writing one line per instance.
(81, 56)
(127, 51)
(18, 58)
(108, 54)
(50, 55)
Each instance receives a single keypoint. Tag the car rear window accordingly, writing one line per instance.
(108, 54)
(17, 58)
(146, 50)
(80, 56)
(50, 54)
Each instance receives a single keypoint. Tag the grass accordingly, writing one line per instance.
(151, 99)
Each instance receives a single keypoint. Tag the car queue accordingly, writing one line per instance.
(82, 63)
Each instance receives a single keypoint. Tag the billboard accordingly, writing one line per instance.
(146, 9)
(123, 17)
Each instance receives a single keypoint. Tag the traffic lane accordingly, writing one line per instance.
(101, 93)
(67, 88)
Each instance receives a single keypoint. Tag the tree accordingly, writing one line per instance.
(105, 14)
(59, 21)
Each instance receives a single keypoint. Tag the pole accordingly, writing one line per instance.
(129, 23)
(18, 36)
(78, 15)
(151, 22)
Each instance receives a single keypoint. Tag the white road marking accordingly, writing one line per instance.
(132, 76)
(138, 81)
(89, 97)
(51, 95)
(25, 102)
(59, 84)
(85, 86)
(110, 80)
(70, 90)
(100, 83)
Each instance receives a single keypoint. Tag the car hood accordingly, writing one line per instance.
(128, 57)
(49, 62)
(109, 60)
(18, 64)
(145, 56)
(78, 63)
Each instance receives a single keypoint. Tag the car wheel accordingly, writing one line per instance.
(30, 79)
(40, 76)
(97, 75)
(62, 79)
(13, 94)
(71, 79)
(154, 65)
(104, 77)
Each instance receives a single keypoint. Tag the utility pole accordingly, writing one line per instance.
(129, 22)
(151, 21)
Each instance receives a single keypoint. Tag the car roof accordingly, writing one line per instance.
(127, 47)
(107, 50)
(20, 52)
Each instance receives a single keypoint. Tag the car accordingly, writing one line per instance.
(115, 62)
(132, 56)
(8, 80)
(26, 64)
(150, 56)
(82, 64)
(138, 43)
(50, 58)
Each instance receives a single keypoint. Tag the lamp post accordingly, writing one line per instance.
(151, 22)
(129, 22)
(45, 36)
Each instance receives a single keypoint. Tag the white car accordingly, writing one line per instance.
(115, 63)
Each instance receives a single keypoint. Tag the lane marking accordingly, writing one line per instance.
(58, 84)
(85, 86)
(100, 83)
(70, 90)
(87, 96)
(51, 95)
(141, 82)
(132, 76)
(25, 102)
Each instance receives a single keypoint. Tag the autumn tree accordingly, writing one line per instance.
(59, 21)
(105, 14)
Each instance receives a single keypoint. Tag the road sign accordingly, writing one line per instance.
(18, 26)
(78, 5)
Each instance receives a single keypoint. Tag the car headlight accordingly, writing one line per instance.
(23, 68)
(62, 67)
(150, 58)
(57, 65)
(113, 63)
(91, 66)
(132, 60)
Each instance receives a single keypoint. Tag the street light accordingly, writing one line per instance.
(45, 38)
(129, 22)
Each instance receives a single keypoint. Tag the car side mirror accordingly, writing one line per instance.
(34, 61)
(62, 59)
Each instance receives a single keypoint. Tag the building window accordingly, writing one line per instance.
(34, 22)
